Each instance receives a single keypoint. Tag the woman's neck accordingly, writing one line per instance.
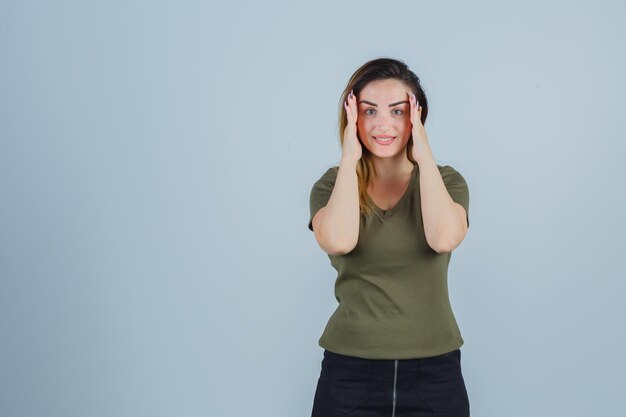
(392, 168)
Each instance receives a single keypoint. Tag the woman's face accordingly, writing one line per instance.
(384, 113)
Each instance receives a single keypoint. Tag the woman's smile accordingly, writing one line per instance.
(384, 140)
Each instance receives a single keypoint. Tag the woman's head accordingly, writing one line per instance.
(384, 118)
(382, 81)
(385, 79)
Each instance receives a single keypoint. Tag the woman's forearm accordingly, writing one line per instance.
(444, 226)
(339, 225)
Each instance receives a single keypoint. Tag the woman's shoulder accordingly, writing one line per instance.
(446, 168)
(330, 174)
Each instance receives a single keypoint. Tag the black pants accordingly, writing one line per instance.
(350, 386)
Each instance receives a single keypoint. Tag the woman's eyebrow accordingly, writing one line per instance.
(376, 105)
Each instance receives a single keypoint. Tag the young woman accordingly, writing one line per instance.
(389, 217)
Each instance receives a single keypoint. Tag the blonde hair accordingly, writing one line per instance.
(377, 69)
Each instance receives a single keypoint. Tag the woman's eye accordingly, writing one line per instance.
(398, 112)
(369, 111)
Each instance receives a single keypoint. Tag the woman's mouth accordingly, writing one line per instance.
(384, 140)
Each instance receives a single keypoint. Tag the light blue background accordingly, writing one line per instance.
(156, 160)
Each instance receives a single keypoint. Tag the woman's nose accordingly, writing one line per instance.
(383, 120)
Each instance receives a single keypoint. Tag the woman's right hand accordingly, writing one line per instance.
(352, 148)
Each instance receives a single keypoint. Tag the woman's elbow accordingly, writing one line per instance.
(336, 246)
(447, 242)
(332, 240)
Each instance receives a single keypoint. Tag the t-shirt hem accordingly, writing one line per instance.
(406, 354)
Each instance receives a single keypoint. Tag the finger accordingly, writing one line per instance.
(413, 109)
(348, 111)
(418, 110)
(353, 106)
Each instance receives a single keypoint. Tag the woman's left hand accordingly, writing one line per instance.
(421, 147)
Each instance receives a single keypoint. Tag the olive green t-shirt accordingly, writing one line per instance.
(392, 288)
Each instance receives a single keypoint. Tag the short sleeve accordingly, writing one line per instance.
(456, 186)
(321, 191)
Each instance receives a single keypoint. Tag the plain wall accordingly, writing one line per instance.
(156, 160)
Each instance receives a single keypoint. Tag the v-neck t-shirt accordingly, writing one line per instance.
(392, 288)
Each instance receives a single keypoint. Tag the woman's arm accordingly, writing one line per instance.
(336, 225)
(445, 222)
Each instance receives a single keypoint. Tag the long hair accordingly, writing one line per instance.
(377, 69)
